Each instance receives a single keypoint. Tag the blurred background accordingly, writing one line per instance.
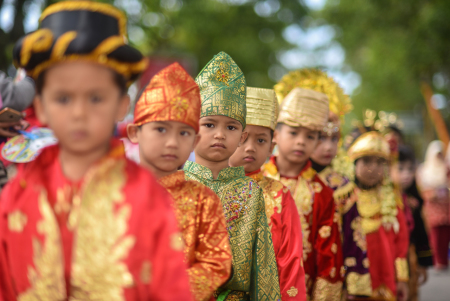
(382, 52)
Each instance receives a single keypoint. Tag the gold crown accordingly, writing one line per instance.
(369, 144)
(262, 107)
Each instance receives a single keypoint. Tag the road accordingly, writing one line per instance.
(437, 288)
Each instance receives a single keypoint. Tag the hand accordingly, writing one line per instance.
(422, 275)
(5, 130)
(402, 291)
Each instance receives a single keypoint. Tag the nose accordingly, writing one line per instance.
(172, 141)
(249, 147)
(219, 134)
(79, 109)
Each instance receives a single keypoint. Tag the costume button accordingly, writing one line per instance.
(23, 183)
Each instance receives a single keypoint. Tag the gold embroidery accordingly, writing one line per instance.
(325, 231)
(327, 291)
(309, 174)
(176, 242)
(47, 276)
(401, 269)
(333, 272)
(101, 240)
(222, 75)
(334, 248)
(383, 293)
(62, 43)
(292, 292)
(39, 41)
(358, 284)
(272, 196)
(342, 271)
(366, 263)
(17, 221)
(62, 205)
(146, 272)
(317, 187)
(358, 234)
(350, 261)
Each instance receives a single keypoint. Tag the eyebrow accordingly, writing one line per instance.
(234, 122)
(207, 119)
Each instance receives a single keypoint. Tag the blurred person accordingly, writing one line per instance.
(303, 114)
(81, 221)
(17, 95)
(432, 178)
(166, 124)
(222, 123)
(420, 255)
(282, 214)
(376, 222)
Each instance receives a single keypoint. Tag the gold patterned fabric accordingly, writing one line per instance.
(255, 275)
(369, 144)
(307, 108)
(359, 284)
(327, 291)
(401, 269)
(201, 220)
(223, 88)
(262, 107)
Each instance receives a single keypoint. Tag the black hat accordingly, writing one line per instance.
(80, 30)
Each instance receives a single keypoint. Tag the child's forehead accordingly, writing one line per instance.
(257, 129)
(299, 128)
(219, 119)
(170, 124)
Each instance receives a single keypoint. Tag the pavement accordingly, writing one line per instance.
(437, 288)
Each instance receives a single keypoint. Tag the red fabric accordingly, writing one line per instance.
(440, 239)
(383, 247)
(408, 213)
(151, 223)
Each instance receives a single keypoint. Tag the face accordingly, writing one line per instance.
(81, 103)
(369, 170)
(220, 137)
(295, 144)
(164, 146)
(403, 173)
(253, 152)
(326, 149)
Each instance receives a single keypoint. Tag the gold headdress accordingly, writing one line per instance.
(262, 107)
(369, 144)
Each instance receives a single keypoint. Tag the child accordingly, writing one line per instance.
(303, 114)
(282, 216)
(166, 126)
(81, 221)
(375, 224)
(420, 255)
(223, 91)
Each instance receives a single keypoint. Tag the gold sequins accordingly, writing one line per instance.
(292, 292)
(325, 231)
(334, 248)
(350, 262)
(17, 221)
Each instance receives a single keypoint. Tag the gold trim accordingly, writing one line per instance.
(359, 284)
(38, 41)
(90, 6)
(401, 269)
(62, 43)
(326, 291)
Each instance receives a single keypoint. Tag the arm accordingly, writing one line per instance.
(329, 261)
(401, 248)
(289, 259)
(213, 252)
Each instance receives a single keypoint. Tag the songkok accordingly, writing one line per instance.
(262, 107)
(369, 144)
(171, 95)
(80, 30)
(223, 89)
(306, 108)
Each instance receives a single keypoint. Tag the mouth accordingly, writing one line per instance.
(327, 156)
(299, 153)
(218, 145)
(79, 134)
(169, 157)
(249, 159)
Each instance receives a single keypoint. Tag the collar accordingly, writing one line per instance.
(206, 173)
(307, 172)
(256, 175)
(172, 180)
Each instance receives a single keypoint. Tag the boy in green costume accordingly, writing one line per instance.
(223, 91)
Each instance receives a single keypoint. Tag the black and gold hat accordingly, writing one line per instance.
(80, 30)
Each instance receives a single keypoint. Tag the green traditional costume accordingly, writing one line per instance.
(255, 276)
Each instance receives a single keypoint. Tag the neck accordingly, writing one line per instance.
(75, 164)
(366, 187)
(215, 167)
(158, 173)
(288, 169)
(317, 167)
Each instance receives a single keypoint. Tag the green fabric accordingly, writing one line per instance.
(223, 295)
(255, 274)
(223, 88)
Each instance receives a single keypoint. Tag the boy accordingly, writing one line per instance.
(282, 216)
(303, 114)
(375, 226)
(81, 221)
(165, 127)
(223, 91)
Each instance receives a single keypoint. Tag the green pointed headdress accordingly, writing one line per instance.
(223, 89)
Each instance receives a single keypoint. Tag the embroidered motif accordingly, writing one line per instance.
(317, 187)
(359, 284)
(272, 195)
(327, 291)
(17, 221)
(342, 271)
(350, 262)
(62, 205)
(401, 269)
(146, 272)
(333, 272)
(325, 231)
(334, 248)
(222, 75)
(366, 263)
(179, 105)
(176, 242)
(358, 234)
(292, 292)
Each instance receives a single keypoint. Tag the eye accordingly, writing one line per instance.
(209, 125)
(96, 99)
(335, 139)
(292, 133)
(185, 133)
(322, 138)
(63, 99)
(260, 140)
(311, 137)
(231, 128)
(161, 129)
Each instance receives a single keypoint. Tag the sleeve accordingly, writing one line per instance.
(328, 249)
(423, 250)
(264, 275)
(168, 271)
(213, 252)
(401, 248)
(289, 258)
(17, 96)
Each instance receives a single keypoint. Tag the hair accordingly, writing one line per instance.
(271, 134)
(118, 79)
(406, 154)
(395, 129)
(279, 126)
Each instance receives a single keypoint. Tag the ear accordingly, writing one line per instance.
(123, 107)
(132, 131)
(39, 109)
(244, 136)
(276, 133)
(272, 147)
(196, 141)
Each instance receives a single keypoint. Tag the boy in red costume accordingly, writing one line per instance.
(81, 221)
(166, 123)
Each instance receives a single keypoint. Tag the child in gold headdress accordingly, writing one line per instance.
(82, 222)
(166, 126)
(303, 114)
(282, 216)
(223, 115)
(374, 226)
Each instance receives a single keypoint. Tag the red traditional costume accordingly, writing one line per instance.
(322, 253)
(282, 216)
(172, 95)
